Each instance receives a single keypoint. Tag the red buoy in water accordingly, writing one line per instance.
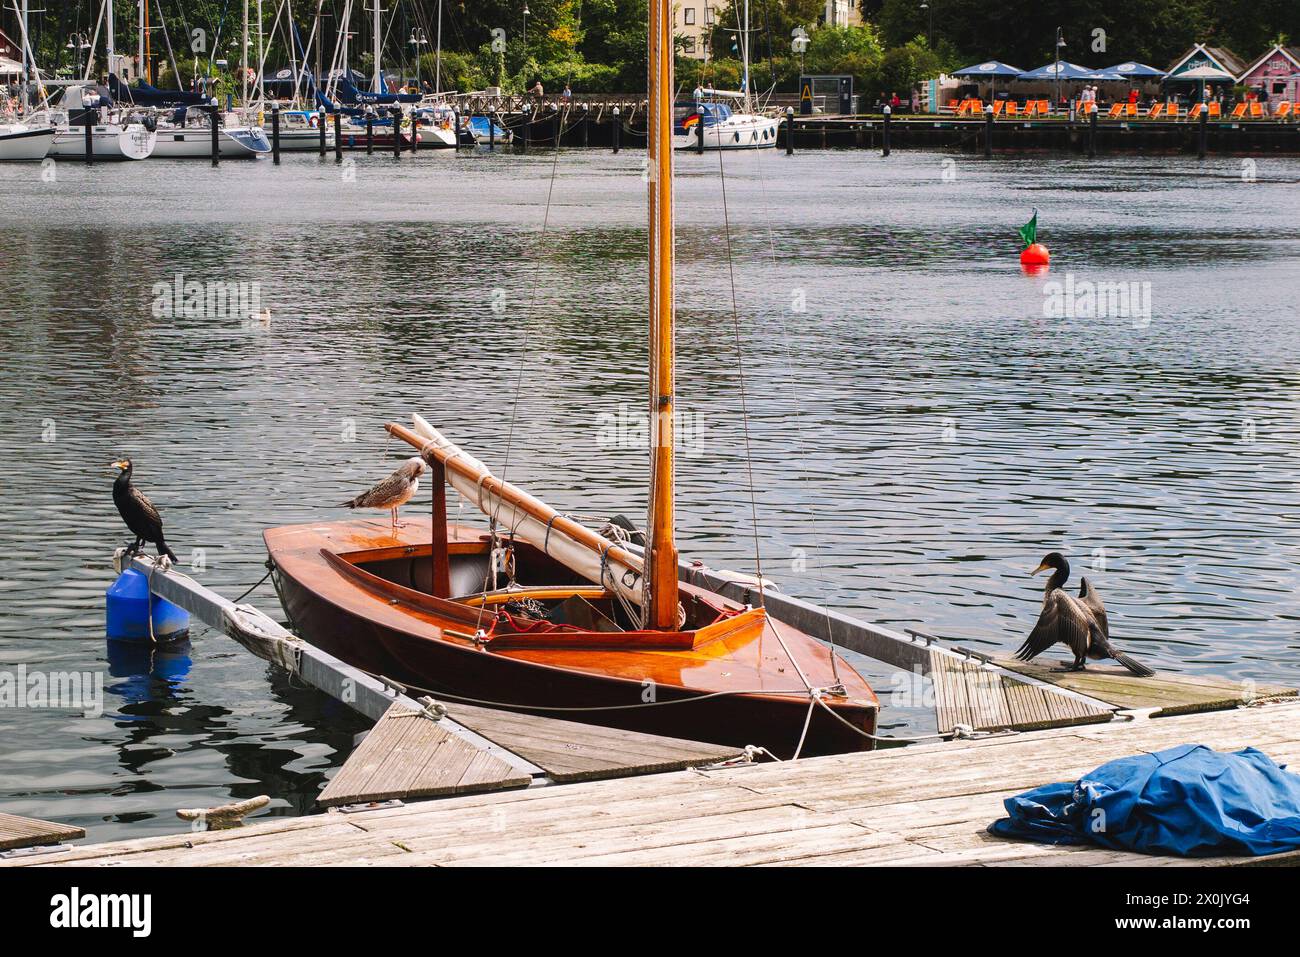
(1034, 254)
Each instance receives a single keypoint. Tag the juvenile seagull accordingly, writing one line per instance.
(138, 512)
(395, 491)
(1078, 623)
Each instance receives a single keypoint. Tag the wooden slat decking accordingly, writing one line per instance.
(917, 805)
(18, 831)
(1169, 694)
(571, 751)
(408, 755)
(966, 693)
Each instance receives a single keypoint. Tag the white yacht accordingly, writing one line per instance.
(727, 120)
(24, 141)
(724, 128)
(112, 139)
(187, 134)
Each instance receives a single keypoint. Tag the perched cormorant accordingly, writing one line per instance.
(1078, 623)
(395, 491)
(138, 512)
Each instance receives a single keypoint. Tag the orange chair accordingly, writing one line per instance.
(1012, 108)
(1196, 111)
(1215, 111)
(1257, 110)
(1283, 110)
(1155, 111)
(1171, 110)
(952, 105)
(998, 106)
(1044, 107)
(1130, 109)
(1238, 111)
(1115, 110)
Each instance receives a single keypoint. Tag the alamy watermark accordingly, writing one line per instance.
(68, 690)
(629, 428)
(1085, 299)
(191, 299)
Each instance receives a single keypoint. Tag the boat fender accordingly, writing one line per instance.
(128, 607)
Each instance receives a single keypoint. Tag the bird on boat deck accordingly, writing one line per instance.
(138, 512)
(1078, 623)
(395, 491)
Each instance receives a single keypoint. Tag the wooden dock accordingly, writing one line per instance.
(526, 789)
(927, 805)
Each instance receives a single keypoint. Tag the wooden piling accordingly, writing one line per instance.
(338, 137)
(884, 141)
(789, 131)
(90, 141)
(320, 125)
(216, 136)
(275, 135)
(618, 129)
(370, 133)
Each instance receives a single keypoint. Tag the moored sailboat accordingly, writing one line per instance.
(539, 613)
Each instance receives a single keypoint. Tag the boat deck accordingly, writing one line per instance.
(919, 805)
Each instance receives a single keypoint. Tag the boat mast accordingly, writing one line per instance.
(661, 562)
(109, 41)
(437, 70)
(243, 61)
(744, 58)
(377, 84)
(139, 50)
(26, 78)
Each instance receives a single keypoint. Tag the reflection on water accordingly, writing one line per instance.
(921, 435)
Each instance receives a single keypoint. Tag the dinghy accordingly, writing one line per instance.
(539, 613)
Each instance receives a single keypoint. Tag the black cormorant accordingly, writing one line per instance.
(1078, 623)
(138, 512)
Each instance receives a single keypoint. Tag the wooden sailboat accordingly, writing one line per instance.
(540, 613)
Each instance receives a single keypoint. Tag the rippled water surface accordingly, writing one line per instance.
(920, 433)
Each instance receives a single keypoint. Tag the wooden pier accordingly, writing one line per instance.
(498, 787)
(927, 805)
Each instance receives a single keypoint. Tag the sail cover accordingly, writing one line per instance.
(519, 515)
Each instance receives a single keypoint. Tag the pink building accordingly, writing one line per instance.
(1276, 73)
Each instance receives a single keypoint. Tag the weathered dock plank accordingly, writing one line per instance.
(408, 754)
(1169, 694)
(573, 751)
(919, 805)
(18, 832)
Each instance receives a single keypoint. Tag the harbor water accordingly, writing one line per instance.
(880, 408)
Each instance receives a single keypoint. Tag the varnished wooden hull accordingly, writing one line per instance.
(408, 645)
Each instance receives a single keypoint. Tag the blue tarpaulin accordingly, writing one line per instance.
(1190, 800)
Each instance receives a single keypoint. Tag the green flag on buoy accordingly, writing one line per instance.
(1029, 231)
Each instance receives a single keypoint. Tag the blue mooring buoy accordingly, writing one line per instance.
(127, 605)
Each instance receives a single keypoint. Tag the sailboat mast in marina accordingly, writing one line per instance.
(539, 613)
(661, 602)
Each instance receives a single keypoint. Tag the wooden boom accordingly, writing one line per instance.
(525, 517)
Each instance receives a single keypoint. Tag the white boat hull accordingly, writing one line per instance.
(21, 143)
(740, 131)
(196, 143)
(111, 142)
(437, 138)
(303, 141)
